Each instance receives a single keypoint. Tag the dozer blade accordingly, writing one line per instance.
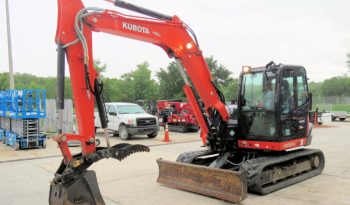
(82, 190)
(219, 183)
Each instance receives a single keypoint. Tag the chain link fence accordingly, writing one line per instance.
(331, 103)
(331, 99)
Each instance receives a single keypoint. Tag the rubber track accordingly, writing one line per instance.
(252, 170)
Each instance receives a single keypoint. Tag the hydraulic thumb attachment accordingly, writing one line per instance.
(74, 184)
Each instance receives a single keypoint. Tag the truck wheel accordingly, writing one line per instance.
(153, 135)
(123, 132)
(342, 119)
(43, 145)
(16, 146)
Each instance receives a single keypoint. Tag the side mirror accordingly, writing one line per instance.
(113, 113)
(310, 101)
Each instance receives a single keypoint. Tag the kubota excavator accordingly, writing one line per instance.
(244, 150)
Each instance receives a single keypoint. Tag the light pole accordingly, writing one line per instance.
(12, 81)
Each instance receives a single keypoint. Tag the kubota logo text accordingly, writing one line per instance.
(133, 27)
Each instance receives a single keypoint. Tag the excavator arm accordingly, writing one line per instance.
(169, 33)
(72, 182)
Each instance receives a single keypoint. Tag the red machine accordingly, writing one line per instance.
(178, 115)
(244, 151)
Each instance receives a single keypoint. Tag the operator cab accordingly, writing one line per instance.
(273, 103)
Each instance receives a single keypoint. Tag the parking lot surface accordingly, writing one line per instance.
(25, 174)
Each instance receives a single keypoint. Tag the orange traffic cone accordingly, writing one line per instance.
(166, 134)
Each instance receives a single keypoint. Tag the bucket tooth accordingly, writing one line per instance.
(218, 183)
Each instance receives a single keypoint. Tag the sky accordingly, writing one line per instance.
(313, 33)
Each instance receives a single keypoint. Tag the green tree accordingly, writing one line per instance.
(230, 91)
(28, 81)
(221, 75)
(339, 85)
(170, 82)
(100, 67)
(139, 85)
(316, 88)
(4, 81)
(113, 90)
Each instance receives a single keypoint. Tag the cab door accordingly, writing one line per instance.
(294, 103)
(256, 106)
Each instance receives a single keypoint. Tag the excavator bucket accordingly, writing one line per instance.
(83, 189)
(219, 183)
(74, 184)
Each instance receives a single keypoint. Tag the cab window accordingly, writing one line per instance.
(302, 92)
(252, 89)
(294, 91)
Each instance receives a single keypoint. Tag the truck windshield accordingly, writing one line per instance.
(129, 109)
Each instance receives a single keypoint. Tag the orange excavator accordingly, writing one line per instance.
(246, 149)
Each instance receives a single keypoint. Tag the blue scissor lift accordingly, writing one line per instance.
(2, 114)
(21, 112)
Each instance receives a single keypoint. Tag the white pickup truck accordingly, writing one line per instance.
(129, 119)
